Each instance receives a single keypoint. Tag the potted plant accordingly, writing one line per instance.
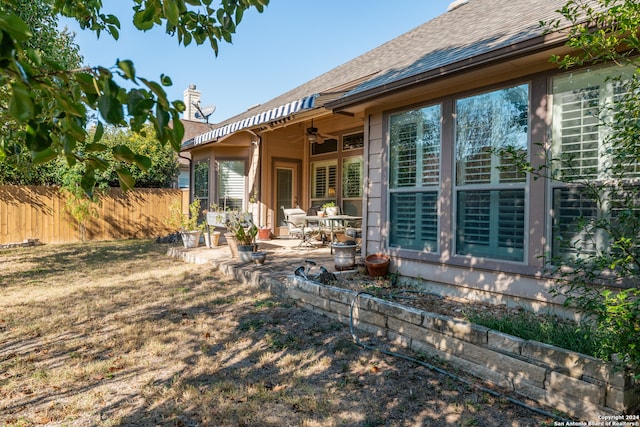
(186, 224)
(242, 231)
(264, 233)
(330, 208)
(212, 219)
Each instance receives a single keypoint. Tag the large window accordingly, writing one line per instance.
(582, 153)
(414, 166)
(231, 188)
(490, 192)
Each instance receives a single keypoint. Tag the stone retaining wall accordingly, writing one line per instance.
(576, 384)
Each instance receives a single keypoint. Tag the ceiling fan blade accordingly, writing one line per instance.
(327, 136)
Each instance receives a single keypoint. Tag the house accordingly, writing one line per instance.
(403, 136)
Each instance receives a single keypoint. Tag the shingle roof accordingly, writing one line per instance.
(475, 28)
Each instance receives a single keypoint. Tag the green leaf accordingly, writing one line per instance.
(69, 144)
(97, 136)
(114, 31)
(126, 180)
(171, 11)
(138, 103)
(143, 162)
(123, 153)
(97, 163)
(21, 105)
(88, 182)
(44, 156)
(127, 68)
(157, 90)
(142, 21)
(110, 109)
(239, 15)
(177, 133)
(95, 148)
(165, 80)
(15, 26)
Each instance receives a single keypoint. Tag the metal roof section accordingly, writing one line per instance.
(278, 113)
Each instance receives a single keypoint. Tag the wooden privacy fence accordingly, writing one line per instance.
(38, 212)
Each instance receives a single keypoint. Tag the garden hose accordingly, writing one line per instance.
(442, 371)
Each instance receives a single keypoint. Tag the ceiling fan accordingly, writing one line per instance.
(313, 136)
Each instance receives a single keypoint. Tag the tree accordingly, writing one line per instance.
(48, 42)
(164, 167)
(49, 105)
(598, 266)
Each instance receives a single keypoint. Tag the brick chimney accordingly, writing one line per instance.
(191, 96)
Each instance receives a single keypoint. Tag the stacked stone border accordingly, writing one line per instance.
(578, 385)
(24, 244)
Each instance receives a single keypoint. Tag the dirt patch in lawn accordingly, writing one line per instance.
(116, 333)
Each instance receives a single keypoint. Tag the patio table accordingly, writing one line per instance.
(334, 222)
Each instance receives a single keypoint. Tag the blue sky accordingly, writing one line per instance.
(291, 42)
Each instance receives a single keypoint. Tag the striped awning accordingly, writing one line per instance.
(256, 120)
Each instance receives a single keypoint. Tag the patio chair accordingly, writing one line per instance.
(297, 224)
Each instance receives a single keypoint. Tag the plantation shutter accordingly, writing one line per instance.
(415, 179)
(231, 184)
(405, 156)
(577, 124)
(325, 176)
(491, 223)
(572, 208)
(511, 220)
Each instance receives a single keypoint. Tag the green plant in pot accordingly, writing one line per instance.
(330, 208)
(188, 226)
(243, 231)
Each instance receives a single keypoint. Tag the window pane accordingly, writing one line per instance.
(491, 224)
(324, 180)
(352, 175)
(327, 146)
(415, 148)
(573, 210)
(404, 155)
(353, 141)
(414, 221)
(201, 183)
(583, 105)
(486, 123)
(231, 184)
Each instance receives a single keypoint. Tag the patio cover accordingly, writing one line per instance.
(263, 117)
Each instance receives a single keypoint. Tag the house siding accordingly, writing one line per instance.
(375, 172)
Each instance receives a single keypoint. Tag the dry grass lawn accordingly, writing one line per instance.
(116, 333)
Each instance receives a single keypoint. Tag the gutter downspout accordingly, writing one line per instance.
(190, 173)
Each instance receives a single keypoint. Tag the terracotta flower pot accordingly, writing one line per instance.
(377, 264)
(264, 234)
